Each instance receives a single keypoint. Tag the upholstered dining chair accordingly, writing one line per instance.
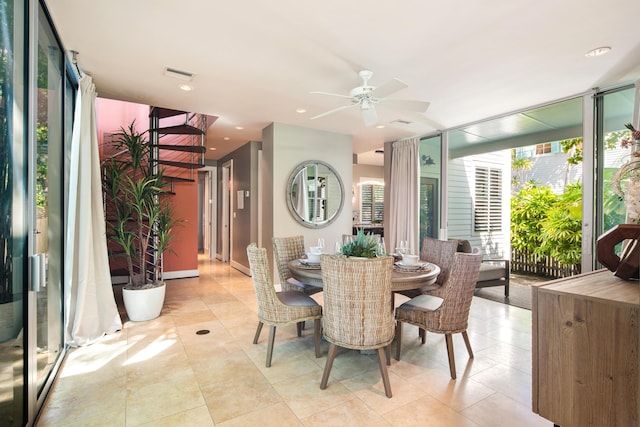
(440, 253)
(285, 250)
(279, 308)
(358, 313)
(448, 314)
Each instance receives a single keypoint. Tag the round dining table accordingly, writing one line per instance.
(402, 278)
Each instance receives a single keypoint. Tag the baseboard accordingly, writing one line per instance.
(119, 280)
(241, 268)
(181, 274)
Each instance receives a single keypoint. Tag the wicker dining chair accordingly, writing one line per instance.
(285, 250)
(279, 308)
(448, 314)
(440, 253)
(357, 304)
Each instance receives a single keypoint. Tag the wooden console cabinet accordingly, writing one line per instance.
(586, 355)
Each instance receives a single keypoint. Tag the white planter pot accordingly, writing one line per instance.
(144, 304)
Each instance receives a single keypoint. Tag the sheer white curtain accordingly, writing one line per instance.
(90, 305)
(404, 195)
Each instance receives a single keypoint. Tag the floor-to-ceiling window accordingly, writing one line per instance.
(430, 180)
(36, 105)
(615, 109)
(13, 213)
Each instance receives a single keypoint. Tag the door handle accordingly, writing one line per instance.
(38, 269)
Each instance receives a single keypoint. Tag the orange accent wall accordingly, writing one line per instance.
(185, 244)
(111, 115)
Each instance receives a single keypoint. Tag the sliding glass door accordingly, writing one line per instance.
(13, 227)
(46, 148)
(36, 104)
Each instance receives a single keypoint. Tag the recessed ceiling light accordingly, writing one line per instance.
(185, 87)
(598, 51)
(301, 110)
(212, 148)
(239, 127)
(226, 138)
(380, 126)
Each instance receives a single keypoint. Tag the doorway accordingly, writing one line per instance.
(207, 218)
(226, 234)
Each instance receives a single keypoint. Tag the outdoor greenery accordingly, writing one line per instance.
(550, 225)
(547, 224)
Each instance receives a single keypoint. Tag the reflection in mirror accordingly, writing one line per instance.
(315, 194)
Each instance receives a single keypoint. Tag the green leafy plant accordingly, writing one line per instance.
(140, 221)
(364, 245)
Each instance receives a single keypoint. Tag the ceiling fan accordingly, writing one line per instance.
(367, 96)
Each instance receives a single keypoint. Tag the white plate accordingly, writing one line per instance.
(418, 266)
(307, 262)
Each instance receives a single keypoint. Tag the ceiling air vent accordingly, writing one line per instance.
(402, 122)
(178, 74)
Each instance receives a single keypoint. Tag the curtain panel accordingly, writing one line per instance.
(404, 194)
(90, 306)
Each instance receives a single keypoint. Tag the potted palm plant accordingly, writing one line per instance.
(140, 220)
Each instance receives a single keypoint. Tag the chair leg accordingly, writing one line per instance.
(423, 335)
(255, 338)
(452, 362)
(299, 328)
(398, 339)
(384, 372)
(316, 335)
(467, 343)
(331, 355)
(387, 354)
(272, 338)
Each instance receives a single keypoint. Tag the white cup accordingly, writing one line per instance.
(316, 250)
(311, 257)
(410, 259)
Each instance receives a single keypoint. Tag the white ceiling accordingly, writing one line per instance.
(256, 62)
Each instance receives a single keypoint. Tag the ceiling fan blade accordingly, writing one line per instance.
(406, 104)
(331, 94)
(392, 86)
(326, 113)
(369, 116)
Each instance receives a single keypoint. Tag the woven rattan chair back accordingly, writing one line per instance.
(268, 302)
(285, 250)
(357, 301)
(358, 309)
(458, 293)
(440, 253)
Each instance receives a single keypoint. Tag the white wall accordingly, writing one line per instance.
(461, 176)
(287, 146)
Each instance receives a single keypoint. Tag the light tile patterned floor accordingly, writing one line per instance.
(161, 373)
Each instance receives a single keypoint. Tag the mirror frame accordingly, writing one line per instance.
(289, 192)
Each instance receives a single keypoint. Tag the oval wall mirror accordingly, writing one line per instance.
(315, 194)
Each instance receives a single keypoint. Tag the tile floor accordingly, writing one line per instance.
(161, 373)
